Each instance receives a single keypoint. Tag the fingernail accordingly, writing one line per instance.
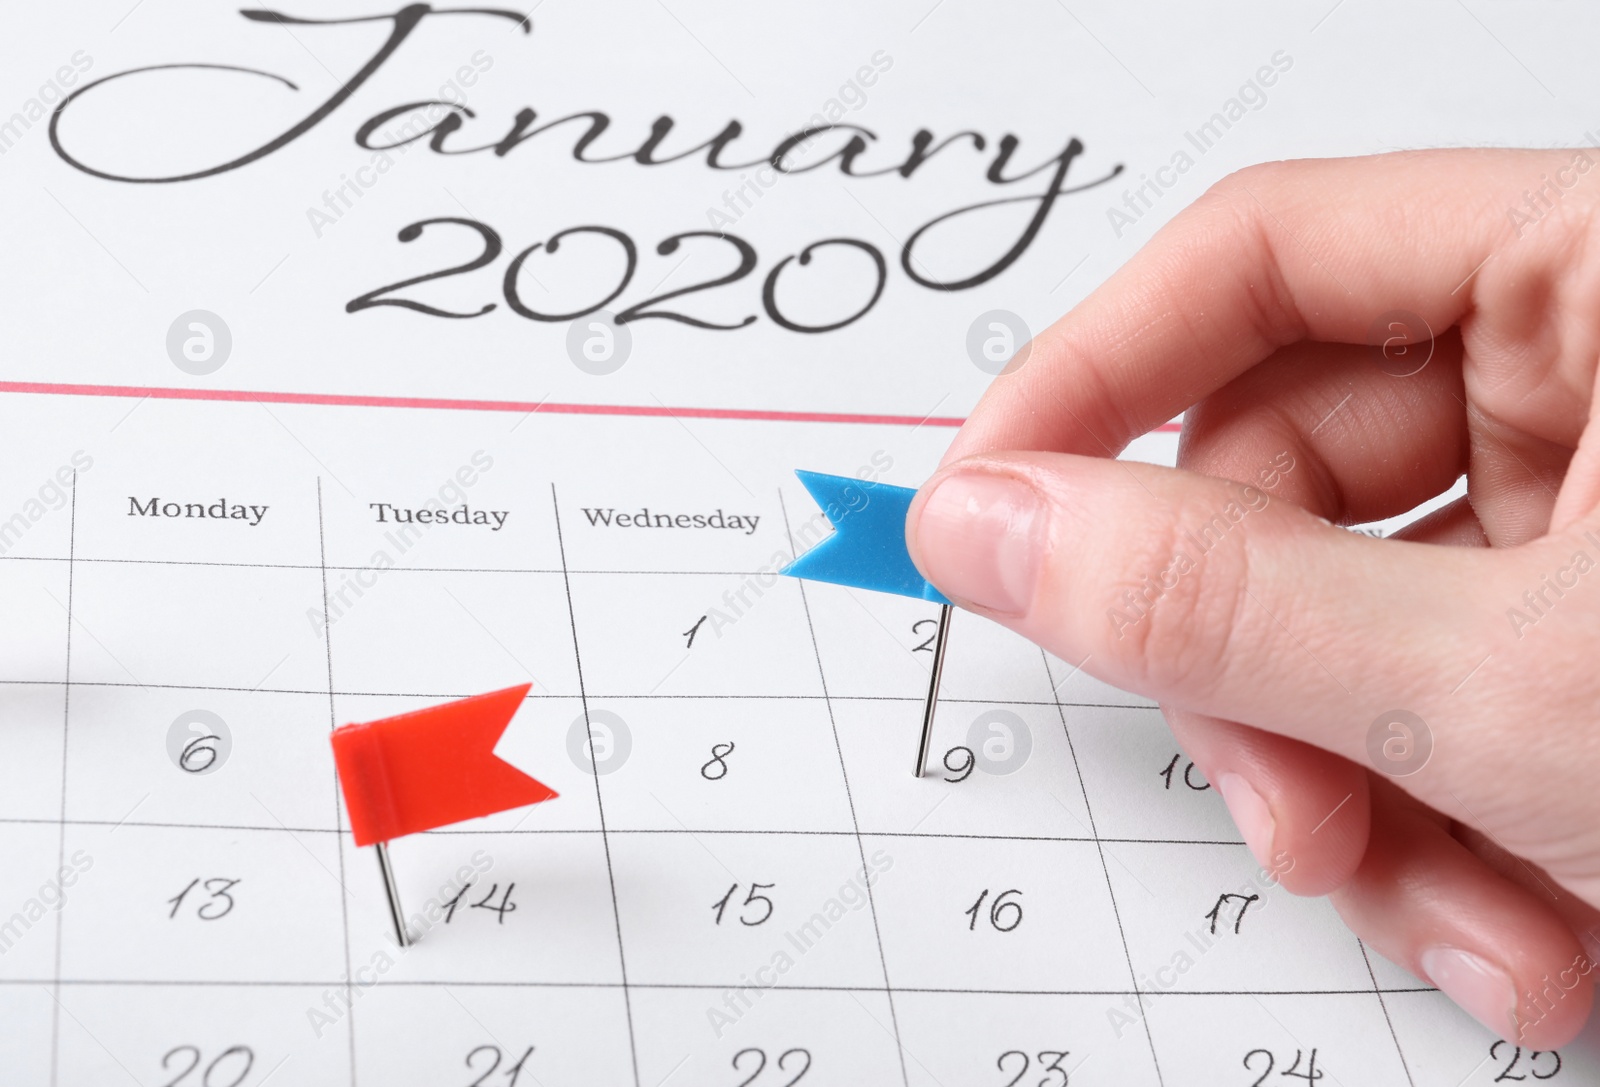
(1482, 989)
(1250, 814)
(980, 538)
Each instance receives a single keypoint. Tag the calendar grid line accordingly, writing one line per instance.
(615, 831)
(61, 833)
(531, 697)
(605, 842)
(334, 567)
(338, 804)
(1388, 1021)
(844, 772)
(674, 986)
(1105, 869)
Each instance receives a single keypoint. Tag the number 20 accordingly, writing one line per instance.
(242, 1052)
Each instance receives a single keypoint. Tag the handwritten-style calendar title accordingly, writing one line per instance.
(1031, 184)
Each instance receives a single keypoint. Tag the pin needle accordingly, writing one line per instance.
(393, 893)
(940, 640)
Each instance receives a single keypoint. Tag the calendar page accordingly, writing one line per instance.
(362, 358)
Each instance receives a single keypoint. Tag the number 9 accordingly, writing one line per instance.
(962, 768)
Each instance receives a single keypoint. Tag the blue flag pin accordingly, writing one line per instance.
(867, 550)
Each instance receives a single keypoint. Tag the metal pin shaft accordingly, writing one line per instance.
(393, 894)
(940, 640)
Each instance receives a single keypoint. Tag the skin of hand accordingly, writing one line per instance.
(1409, 725)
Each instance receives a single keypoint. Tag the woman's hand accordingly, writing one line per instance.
(1411, 725)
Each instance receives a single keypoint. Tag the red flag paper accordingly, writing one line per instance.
(430, 768)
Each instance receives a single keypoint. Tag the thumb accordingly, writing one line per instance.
(1205, 593)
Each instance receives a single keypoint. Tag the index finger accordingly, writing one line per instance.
(1314, 249)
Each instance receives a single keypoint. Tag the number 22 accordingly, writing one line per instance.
(761, 1064)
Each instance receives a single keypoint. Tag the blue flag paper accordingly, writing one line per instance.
(868, 547)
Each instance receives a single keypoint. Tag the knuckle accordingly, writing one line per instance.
(1233, 235)
(1259, 177)
(1237, 197)
(1186, 598)
(1191, 642)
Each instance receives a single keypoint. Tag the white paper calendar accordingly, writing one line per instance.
(361, 358)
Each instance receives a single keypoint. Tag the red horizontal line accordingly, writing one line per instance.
(46, 388)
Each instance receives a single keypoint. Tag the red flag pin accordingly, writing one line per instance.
(427, 769)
